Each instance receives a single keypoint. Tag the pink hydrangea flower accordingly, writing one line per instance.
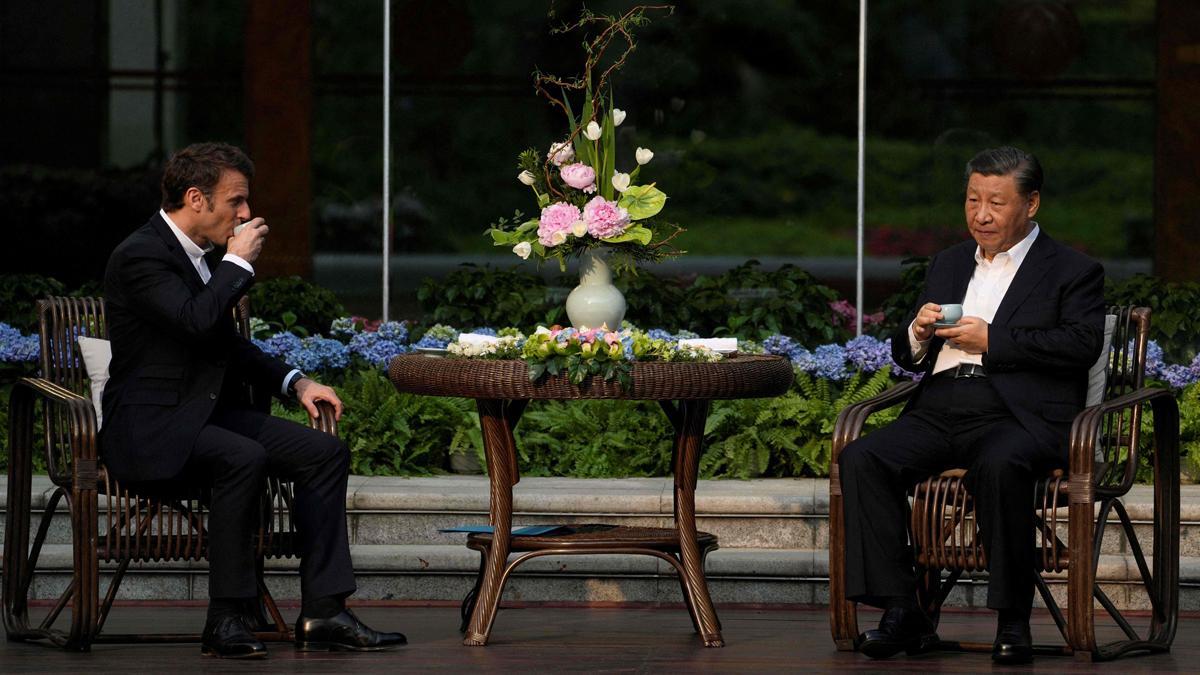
(604, 218)
(556, 217)
(579, 176)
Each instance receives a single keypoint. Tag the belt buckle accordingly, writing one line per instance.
(968, 371)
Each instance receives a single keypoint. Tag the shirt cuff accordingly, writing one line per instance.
(918, 347)
(287, 379)
(239, 261)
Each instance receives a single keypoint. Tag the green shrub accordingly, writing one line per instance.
(898, 308)
(594, 439)
(746, 301)
(19, 294)
(1174, 321)
(474, 296)
(291, 303)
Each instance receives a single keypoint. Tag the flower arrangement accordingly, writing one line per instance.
(584, 199)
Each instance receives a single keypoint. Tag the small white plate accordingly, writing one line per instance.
(432, 351)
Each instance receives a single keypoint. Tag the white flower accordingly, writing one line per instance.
(618, 117)
(562, 153)
(558, 238)
(523, 249)
(620, 181)
(541, 330)
(526, 177)
(644, 155)
(592, 131)
(579, 228)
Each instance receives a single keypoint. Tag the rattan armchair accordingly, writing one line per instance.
(1073, 509)
(109, 523)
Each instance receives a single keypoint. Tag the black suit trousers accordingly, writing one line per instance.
(956, 423)
(234, 455)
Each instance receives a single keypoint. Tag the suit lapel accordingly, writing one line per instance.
(964, 269)
(1037, 262)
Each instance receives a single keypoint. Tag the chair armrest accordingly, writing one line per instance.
(1090, 424)
(75, 463)
(851, 419)
(325, 421)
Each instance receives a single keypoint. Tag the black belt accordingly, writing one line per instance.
(964, 370)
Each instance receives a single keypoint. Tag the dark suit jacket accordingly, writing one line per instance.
(1047, 332)
(175, 352)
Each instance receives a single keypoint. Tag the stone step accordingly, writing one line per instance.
(445, 572)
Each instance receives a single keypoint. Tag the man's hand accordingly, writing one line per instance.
(248, 243)
(310, 391)
(926, 316)
(970, 335)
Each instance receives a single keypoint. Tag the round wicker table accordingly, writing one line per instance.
(502, 390)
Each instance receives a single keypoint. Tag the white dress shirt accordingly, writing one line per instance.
(985, 291)
(196, 255)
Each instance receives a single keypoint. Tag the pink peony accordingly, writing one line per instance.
(604, 218)
(579, 176)
(556, 218)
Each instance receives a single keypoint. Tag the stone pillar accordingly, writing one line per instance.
(1177, 141)
(278, 86)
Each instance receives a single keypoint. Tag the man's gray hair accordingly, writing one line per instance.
(1025, 169)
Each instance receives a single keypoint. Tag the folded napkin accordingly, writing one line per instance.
(476, 339)
(718, 345)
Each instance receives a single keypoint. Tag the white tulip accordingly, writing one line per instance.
(618, 117)
(579, 228)
(526, 178)
(523, 249)
(592, 131)
(620, 181)
(643, 155)
(558, 238)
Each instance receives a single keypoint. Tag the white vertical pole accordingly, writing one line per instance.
(387, 155)
(862, 162)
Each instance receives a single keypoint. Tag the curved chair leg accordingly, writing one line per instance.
(843, 614)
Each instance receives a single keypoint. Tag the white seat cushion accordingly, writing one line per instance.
(96, 355)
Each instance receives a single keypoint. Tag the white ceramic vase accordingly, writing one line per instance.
(595, 301)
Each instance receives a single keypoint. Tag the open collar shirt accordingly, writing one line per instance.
(985, 291)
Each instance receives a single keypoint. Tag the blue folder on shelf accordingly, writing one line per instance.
(527, 531)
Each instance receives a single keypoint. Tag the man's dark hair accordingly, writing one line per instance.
(200, 165)
(1025, 169)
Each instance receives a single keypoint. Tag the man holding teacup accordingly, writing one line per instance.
(1004, 332)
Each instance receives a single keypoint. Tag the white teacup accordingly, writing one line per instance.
(951, 313)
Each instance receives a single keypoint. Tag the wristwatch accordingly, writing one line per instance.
(291, 385)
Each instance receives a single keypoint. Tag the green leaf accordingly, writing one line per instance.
(641, 235)
(502, 238)
(642, 201)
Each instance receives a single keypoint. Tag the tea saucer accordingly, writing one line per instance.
(945, 324)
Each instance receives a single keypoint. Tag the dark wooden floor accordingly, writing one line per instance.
(539, 639)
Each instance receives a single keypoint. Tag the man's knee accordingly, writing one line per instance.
(329, 451)
(249, 456)
(856, 456)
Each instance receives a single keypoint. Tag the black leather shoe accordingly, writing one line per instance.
(900, 630)
(1014, 644)
(343, 632)
(226, 637)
